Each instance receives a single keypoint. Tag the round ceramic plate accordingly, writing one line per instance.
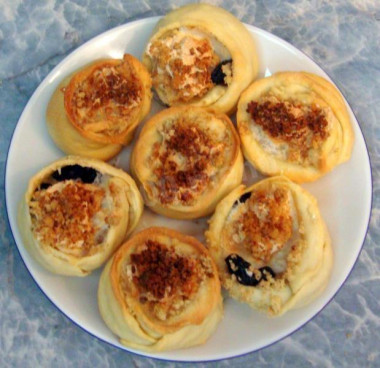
(344, 196)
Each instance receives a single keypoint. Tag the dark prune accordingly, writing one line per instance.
(44, 186)
(217, 75)
(239, 267)
(243, 198)
(265, 271)
(75, 172)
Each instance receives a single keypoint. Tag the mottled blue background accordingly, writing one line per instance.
(342, 36)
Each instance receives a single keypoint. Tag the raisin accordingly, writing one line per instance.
(243, 198)
(239, 267)
(217, 75)
(75, 172)
(265, 271)
(44, 186)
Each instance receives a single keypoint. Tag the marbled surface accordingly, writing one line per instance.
(342, 36)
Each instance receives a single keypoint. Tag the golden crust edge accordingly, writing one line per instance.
(145, 81)
(58, 262)
(270, 165)
(204, 206)
(277, 303)
(221, 26)
(150, 339)
(67, 138)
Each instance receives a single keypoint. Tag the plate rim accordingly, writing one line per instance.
(152, 19)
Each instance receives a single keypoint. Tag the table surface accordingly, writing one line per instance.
(342, 36)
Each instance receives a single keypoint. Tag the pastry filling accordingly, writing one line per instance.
(261, 229)
(187, 161)
(166, 280)
(298, 131)
(71, 215)
(244, 274)
(222, 74)
(183, 62)
(104, 101)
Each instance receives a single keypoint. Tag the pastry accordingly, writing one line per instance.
(76, 212)
(271, 245)
(185, 160)
(294, 124)
(201, 55)
(161, 291)
(95, 111)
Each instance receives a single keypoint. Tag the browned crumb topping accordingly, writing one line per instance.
(267, 224)
(184, 162)
(182, 67)
(63, 216)
(165, 279)
(109, 93)
(303, 128)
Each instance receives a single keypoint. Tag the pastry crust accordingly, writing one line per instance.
(161, 291)
(185, 160)
(276, 228)
(186, 47)
(95, 111)
(76, 212)
(294, 124)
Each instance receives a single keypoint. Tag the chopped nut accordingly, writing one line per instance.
(65, 216)
(303, 127)
(185, 161)
(166, 280)
(266, 226)
(110, 93)
(182, 66)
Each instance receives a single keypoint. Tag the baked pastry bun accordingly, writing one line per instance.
(161, 291)
(271, 245)
(185, 160)
(76, 212)
(95, 111)
(294, 124)
(201, 55)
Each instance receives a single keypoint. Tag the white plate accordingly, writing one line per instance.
(344, 196)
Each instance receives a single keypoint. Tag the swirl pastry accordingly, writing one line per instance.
(95, 111)
(186, 159)
(271, 245)
(201, 55)
(76, 212)
(295, 124)
(161, 291)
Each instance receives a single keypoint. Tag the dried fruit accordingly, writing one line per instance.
(243, 198)
(239, 267)
(217, 75)
(44, 186)
(75, 172)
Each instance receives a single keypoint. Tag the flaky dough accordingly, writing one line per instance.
(301, 128)
(276, 224)
(124, 201)
(95, 131)
(185, 160)
(139, 321)
(229, 40)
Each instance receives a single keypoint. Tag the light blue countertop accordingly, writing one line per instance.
(343, 37)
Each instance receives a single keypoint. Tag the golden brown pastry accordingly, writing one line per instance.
(161, 291)
(95, 111)
(271, 245)
(201, 55)
(186, 159)
(294, 124)
(76, 212)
